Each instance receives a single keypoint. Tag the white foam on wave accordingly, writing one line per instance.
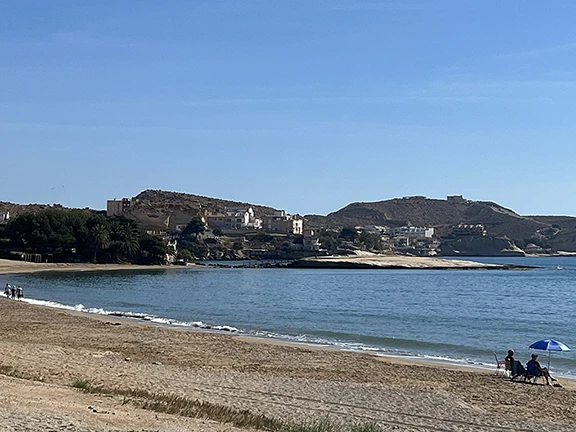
(359, 347)
(300, 338)
(133, 315)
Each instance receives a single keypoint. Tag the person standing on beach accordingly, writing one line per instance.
(13, 292)
(19, 293)
(7, 290)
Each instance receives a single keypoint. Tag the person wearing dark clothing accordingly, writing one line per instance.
(514, 366)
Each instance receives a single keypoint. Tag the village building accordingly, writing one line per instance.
(234, 219)
(311, 240)
(413, 232)
(117, 207)
(532, 248)
(469, 230)
(281, 222)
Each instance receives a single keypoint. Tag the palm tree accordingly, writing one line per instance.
(126, 235)
(100, 238)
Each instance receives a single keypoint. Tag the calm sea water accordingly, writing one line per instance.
(456, 316)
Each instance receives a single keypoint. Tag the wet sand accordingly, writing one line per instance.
(44, 350)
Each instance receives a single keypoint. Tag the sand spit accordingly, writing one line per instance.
(11, 267)
(43, 350)
(374, 261)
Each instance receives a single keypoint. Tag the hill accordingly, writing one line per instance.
(159, 199)
(556, 232)
(164, 208)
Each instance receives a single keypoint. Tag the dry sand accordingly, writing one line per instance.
(43, 350)
(11, 267)
(370, 260)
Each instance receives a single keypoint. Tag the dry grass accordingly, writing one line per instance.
(182, 406)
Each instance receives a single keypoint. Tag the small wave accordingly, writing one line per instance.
(365, 348)
(134, 315)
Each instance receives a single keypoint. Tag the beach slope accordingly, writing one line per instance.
(43, 351)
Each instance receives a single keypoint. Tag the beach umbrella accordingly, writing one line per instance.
(549, 345)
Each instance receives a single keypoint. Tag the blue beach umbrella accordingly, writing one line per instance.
(549, 345)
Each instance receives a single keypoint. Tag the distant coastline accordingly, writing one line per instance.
(14, 267)
(398, 262)
(365, 261)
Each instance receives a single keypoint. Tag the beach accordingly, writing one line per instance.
(13, 267)
(367, 260)
(44, 351)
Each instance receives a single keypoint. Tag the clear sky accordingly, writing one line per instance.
(300, 105)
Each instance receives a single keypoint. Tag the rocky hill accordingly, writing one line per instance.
(553, 232)
(556, 232)
(160, 210)
(16, 209)
(158, 200)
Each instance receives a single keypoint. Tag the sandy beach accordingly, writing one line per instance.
(368, 260)
(43, 351)
(12, 267)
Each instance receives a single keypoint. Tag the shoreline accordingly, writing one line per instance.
(364, 261)
(23, 267)
(415, 359)
(170, 323)
(52, 348)
(398, 262)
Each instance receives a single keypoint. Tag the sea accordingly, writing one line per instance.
(455, 316)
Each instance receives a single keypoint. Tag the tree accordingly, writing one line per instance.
(348, 234)
(184, 255)
(195, 226)
(152, 250)
(371, 241)
(100, 238)
(197, 249)
(329, 241)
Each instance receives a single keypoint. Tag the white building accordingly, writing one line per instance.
(281, 222)
(234, 219)
(410, 231)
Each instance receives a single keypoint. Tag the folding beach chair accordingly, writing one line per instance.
(532, 374)
(500, 366)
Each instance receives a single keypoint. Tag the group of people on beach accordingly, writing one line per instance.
(533, 368)
(13, 292)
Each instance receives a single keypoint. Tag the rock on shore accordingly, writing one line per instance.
(373, 261)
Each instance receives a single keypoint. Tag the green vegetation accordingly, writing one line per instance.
(82, 236)
(82, 384)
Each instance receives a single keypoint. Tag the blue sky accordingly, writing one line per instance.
(299, 105)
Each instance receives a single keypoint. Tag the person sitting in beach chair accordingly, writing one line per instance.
(534, 371)
(515, 367)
